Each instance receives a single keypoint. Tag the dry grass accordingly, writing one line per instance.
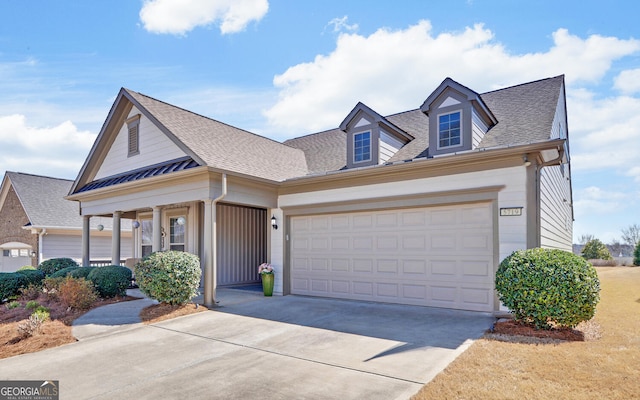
(606, 368)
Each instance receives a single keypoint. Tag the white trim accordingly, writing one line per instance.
(438, 147)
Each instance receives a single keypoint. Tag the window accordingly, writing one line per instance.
(146, 226)
(449, 130)
(24, 253)
(6, 253)
(176, 233)
(362, 147)
(133, 125)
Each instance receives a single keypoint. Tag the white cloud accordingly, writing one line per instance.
(604, 133)
(340, 25)
(181, 16)
(57, 151)
(628, 81)
(394, 71)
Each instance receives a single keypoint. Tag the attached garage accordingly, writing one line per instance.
(440, 256)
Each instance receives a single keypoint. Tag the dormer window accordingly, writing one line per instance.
(362, 147)
(449, 130)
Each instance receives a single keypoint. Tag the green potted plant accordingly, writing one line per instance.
(266, 273)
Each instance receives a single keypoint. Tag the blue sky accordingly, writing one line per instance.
(288, 68)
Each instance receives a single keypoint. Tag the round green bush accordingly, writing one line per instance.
(546, 287)
(170, 277)
(82, 272)
(63, 272)
(26, 268)
(10, 283)
(595, 250)
(56, 264)
(636, 255)
(111, 281)
(34, 277)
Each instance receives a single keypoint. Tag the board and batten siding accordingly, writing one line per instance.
(155, 147)
(388, 146)
(56, 246)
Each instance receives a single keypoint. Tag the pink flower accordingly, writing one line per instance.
(265, 268)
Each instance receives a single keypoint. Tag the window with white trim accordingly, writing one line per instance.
(362, 147)
(449, 130)
(146, 227)
(176, 233)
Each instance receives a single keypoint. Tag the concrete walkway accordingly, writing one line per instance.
(257, 347)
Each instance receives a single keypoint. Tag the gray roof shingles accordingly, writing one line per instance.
(43, 201)
(524, 112)
(225, 147)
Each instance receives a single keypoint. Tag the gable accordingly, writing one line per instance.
(154, 147)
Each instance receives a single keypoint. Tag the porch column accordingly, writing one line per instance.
(157, 230)
(115, 239)
(209, 270)
(86, 234)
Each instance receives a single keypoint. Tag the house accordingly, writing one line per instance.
(416, 208)
(37, 223)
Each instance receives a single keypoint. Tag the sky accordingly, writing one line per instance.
(288, 68)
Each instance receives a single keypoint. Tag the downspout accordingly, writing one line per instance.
(40, 241)
(211, 281)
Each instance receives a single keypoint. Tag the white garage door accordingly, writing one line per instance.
(432, 256)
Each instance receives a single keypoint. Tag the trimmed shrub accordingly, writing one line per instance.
(26, 268)
(34, 277)
(170, 277)
(31, 304)
(82, 272)
(10, 284)
(594, 249)
(548, 287)
(111, 281)
(56, 264)
(77, 293)
(636, 255)
(64, 272)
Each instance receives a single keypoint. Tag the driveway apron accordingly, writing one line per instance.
(252, 346)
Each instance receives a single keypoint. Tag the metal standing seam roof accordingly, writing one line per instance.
(179, 164)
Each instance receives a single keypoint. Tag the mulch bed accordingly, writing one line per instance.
(509, 330)
(163, 311)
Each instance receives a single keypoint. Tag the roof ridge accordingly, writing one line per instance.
(38, 176)
(205, 117)
(523, 84)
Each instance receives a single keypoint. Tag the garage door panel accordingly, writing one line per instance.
(433, 256)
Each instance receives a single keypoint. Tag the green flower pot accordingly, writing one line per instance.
(267, 284)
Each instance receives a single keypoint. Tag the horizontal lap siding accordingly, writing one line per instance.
(55, 246)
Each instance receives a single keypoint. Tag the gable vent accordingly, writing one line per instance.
(133, 125)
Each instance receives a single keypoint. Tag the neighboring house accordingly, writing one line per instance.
(414, 208)
(37, 223)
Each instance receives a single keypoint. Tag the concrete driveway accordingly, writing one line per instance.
(259, 347)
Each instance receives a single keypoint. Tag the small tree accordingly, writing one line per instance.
(636, 255)
(596, 250)
(631, 235)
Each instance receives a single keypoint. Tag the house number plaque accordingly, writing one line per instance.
(511, 211)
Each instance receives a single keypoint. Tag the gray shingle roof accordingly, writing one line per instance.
(524, 112)
(43, 201)
(225, 147)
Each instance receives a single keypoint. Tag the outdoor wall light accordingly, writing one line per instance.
(274, 222)
(100, 227)
(181, 221)
(135, 224)
(526, 161)
(33, 254)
